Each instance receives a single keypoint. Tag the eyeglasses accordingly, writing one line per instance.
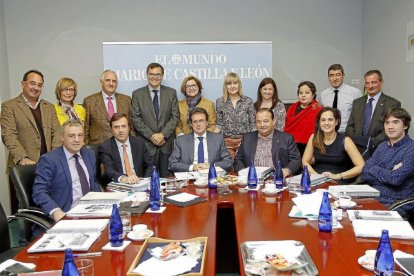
(70, 90)
(34, 84)
(155, 76)
(191, 86)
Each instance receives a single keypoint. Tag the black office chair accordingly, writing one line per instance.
(99, 166)
(23, 178)
(401, 203)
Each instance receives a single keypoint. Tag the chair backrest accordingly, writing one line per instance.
(4, 231)
(99, 170)
(23, 177)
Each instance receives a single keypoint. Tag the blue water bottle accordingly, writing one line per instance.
(252, 177)
(278, 175)
(305, 181)
(69, 266)
(155, 197)
(212, 177)
(116, 229)
(384, 260)
(325, 214)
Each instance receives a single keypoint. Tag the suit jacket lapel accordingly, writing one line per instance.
(148, 99)
(117, 156)
(379, 109)
(26, 111)
(88, 164)
(65, 165)
(253, 147)
(100, 104)
(163, 100)
(211, 148)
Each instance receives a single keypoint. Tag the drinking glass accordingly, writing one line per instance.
(126, 220)
(85, 267)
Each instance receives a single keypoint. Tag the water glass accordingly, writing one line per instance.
(126, 220)
(293, 188)
(85, 267)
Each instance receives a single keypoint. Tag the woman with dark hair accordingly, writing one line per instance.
(301, 116)
(267, 97)
(332, 154)
(191, 87)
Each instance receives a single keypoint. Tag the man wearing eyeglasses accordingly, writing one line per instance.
(29, 125)
(155, 116)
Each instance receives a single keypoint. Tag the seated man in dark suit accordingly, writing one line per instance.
(366, 122)
(267, 145)
(194, 151)
(65, 174)
(125, 158)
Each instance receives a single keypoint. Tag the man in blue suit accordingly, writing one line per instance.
(65, 174)
(196, 150)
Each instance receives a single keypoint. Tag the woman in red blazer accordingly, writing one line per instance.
(301, 116)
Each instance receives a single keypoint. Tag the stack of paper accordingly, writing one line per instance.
(353, 191)
(308, 204)
(141, 186)
(96, 204)
(79, 235)
(262, 172)
(374, 215)
(204, 172)
(373, 228)
(316, 179)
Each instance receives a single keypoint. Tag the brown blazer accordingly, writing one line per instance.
(19, 132)
(97, 128)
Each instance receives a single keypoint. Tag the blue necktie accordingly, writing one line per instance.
(200, 150)
(367, 117)
(155, 103)
(335, 101)
(82, 176)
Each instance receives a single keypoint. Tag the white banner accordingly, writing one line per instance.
(208, 61)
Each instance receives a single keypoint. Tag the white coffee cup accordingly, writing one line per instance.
(139, 230)
(201, 180)
(344, 200)
(270, 187)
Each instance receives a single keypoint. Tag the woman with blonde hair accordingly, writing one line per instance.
(66, 91)
(235, 113)
(191, 87)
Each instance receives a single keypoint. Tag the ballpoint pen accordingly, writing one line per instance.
(91, 254)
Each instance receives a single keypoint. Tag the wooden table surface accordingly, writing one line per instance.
(257, 217)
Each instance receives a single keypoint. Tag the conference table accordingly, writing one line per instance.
(257, 217)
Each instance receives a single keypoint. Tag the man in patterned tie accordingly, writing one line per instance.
(125, 158)
(196, 150)
(65, 174)
(155, 116)
(101, 106)
(366, 122)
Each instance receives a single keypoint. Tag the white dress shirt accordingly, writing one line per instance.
(129, 153)
(196, 143)
(113, 99)
(346, 95)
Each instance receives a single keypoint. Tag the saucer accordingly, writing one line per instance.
(350, 205)
(367, 265)
(200, 185)
(132, 236)
(270, 192)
